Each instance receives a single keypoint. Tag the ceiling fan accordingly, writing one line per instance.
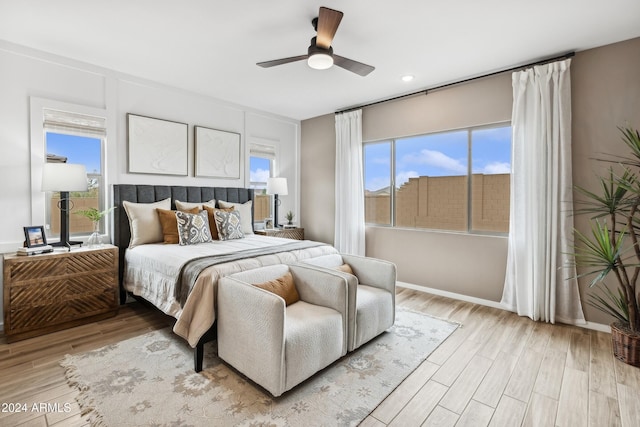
(320, 54)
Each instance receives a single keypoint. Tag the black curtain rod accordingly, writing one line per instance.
(426, 91)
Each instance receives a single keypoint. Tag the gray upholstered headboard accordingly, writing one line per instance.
(153, 193)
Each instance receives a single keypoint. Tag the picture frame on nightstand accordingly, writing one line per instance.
(34, 236)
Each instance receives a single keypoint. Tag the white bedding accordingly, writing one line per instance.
(151, 271)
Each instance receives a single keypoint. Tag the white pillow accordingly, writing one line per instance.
(144, 221)
(244, 209)
(185, 206)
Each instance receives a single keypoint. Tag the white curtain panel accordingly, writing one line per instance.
(540, 281)
(349, 234)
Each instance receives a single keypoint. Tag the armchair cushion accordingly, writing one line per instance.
(283, 286)
(345, 268)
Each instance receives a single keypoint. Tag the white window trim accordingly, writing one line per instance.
(38, 151)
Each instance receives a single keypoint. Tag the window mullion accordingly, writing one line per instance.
(392, 190)
(469, 178)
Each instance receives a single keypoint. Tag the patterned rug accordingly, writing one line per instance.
(149, 381)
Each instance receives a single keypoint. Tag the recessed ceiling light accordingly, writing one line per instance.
(407, 78)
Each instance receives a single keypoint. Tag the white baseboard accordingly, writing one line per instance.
(494, 304)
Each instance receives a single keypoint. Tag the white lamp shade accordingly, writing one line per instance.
(277, 186)
(64, 177)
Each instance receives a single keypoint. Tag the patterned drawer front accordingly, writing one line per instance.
(45, 267)
(28, 317)
(293, 233)
(90, 261)
(60, 290)
(288, 233)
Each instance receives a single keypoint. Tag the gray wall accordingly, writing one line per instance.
(605, 93)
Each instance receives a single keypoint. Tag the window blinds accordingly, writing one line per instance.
(262, 150)
(74, 123)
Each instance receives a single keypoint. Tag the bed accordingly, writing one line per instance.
(181, 281)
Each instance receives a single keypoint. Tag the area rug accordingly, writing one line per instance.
(149, 381)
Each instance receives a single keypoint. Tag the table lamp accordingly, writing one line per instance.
(64, 177)
(276, 186)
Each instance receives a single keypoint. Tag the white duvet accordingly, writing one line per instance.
(151, 271)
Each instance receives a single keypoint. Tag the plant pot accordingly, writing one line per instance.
(626, 344)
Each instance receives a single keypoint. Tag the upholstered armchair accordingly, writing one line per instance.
(372, 294)
(278, 345)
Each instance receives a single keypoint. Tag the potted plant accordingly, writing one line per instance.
(610, 252)
(95, 216)
(289, 216)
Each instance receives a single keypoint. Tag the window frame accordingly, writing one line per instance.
(263, 150)
(393, 190)
(37, 136)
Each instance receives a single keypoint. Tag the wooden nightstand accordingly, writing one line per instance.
(289, 233)
(59, 290)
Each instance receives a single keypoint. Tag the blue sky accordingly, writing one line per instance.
(77, 149)
(442, 154)
(258, 169)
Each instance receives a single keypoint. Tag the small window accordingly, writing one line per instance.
(78, 139)
(261, 165)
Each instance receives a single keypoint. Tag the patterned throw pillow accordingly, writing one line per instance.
(193, 228)
(229, 225)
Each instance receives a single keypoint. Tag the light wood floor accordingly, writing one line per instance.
(497, 369)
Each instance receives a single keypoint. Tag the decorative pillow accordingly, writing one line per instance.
(169, 224)
(144, 222)
(283, 286)
(212, 221)
(228, 224)
(345, 268)
(185, 206)
(193, 228)
(245, 214)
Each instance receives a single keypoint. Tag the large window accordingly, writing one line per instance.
(455, 180)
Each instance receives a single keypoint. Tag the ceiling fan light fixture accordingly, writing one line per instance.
(320, 61)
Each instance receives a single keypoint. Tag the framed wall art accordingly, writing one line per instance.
(217, 153)
(157, 146)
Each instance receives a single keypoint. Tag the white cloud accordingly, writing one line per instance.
(259, 175)
(403, 177)
(494, 168)
(438, 159)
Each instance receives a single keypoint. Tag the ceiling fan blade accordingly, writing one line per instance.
(328, 21)
(353, 66)
(267, 64)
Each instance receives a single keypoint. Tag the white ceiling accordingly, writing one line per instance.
(211, 47)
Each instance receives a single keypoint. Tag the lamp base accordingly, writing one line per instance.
(65, 244)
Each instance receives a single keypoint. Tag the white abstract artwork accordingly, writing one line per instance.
(157, 146)
(217, 153)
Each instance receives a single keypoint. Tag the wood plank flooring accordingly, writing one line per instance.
(498, 369)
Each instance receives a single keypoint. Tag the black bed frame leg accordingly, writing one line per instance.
(198, 356)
